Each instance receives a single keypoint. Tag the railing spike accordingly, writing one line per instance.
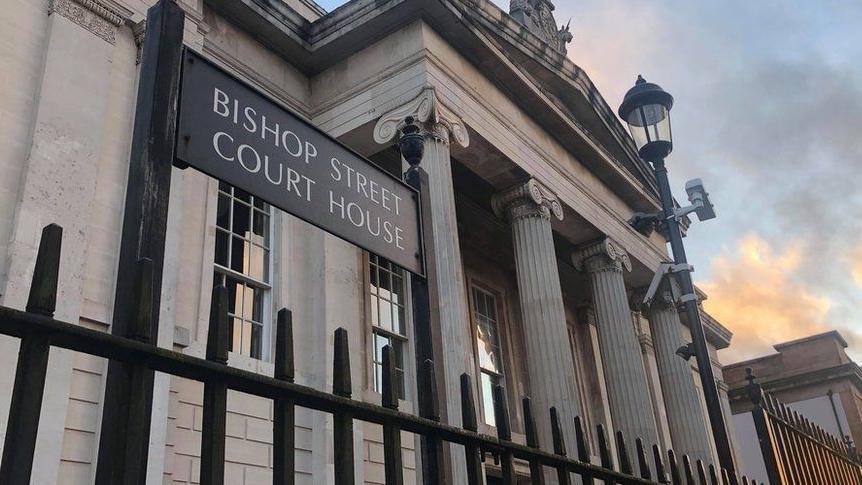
(341, 380)
(31, 370)
(389, 385)
(284, 416)
(342, 421)
(504, 432)
(474, 455)
(43, 286)
(686, 467)
(537, 475)
(623, 455)
(675, 477)
(392, 459)
(604, 449)
(642, 459)
(563, 475)
(284, 362)
(658, 460)
(432, 407)
(583, 449)
(701, 473)
(215, 394)
(713, 478)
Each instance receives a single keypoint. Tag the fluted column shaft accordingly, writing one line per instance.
(687, 423)
(550, 364)
(628, 391)
(450, 310)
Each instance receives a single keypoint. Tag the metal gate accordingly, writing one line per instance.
(795, 450)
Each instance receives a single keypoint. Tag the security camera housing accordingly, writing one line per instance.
(699, 198)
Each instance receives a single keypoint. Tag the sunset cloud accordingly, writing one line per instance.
(754, 292)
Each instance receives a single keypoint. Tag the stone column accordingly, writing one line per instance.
(529, 207)
(689, 429)
(447, 287)
(628, 391)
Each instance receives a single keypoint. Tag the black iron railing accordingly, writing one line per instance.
(795, 450)
(39, 331)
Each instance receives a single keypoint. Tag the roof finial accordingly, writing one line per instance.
(640, 80)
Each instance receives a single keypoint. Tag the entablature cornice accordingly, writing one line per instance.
(315, 46)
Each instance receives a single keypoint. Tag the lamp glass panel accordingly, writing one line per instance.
(649, 123)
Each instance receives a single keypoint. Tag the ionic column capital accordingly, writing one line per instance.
(438, 120)
(527, 199)
(606, 255)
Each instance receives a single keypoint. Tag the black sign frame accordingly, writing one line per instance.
(190, 56)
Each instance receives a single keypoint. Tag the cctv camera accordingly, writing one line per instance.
(699, 198)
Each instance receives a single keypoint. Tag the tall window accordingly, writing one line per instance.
(387, 297)
(488, 349)
(242, 264)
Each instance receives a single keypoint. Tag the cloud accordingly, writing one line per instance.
(754, 292)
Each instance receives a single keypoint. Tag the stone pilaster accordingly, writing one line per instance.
(689, 429)
(441, 126)
(628, 390)
(529, 207)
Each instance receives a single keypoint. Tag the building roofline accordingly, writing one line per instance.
(833, 334)
(314, 46)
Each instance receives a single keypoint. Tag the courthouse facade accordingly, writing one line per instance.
(537, 279)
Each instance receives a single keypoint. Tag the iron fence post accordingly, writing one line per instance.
(143, 236)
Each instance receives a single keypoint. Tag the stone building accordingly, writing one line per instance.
(814, 376)
(537, 274)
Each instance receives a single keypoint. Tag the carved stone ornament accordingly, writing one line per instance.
(538, 17)
(606, 255)
(527, 199)
(140, 32)
(427, 109)
(97, 16)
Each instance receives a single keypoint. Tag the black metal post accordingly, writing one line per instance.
(129, 391)
(704, 365)
(28, 390)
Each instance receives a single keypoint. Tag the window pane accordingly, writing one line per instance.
(221, 248)
(375, 315)
(241, 220)
(255, 300)
(488, 399)
(223, 213)
(385, 315)
(236, 332)
(261, 226)
(397, 289)
(257, 263)
(398, 320)
(373, 279)
(384, 285)
(234, 296)
(246, 338)
(239, 255)
(257, 341)
(242, 195)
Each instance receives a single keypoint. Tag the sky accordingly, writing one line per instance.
(768, 112)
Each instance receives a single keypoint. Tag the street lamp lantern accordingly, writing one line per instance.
(646, 109)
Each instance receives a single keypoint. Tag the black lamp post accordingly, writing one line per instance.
(646, 109)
